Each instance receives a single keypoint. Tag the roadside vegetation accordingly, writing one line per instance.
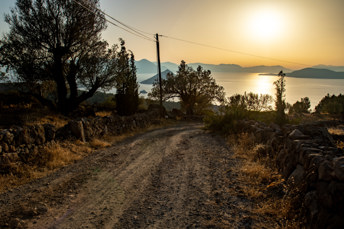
(262, 184)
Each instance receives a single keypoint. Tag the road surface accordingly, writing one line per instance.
(174, 177)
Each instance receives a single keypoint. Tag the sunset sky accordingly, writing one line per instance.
(307, 32)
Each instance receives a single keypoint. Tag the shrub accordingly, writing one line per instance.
(300, 106)
(331, 105)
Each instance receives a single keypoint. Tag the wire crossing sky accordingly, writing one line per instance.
(292, 33)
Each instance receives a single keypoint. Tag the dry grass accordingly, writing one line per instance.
(339, 130)
(55, 119)
(103, 113)
(97, 143)
(261, 184)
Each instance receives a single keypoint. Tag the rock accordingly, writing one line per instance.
(7, 136)
(297, 134)
(336, 221)
(50, 131)
(297, 175)
(339, 168)
(17, 223)
(24, 136)
(38, 134)
(325, 171)
(310, 201)
(324, 197)
(77, 130)
(5, 147)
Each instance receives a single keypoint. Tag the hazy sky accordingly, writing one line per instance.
(304, 31)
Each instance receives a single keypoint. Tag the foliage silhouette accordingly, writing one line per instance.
(196, 89)
(301, 106)
(280, 103)
(59, 41)
(127, 96)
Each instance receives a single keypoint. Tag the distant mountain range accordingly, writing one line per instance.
(316, 73)
(156, 77)
(330, 67)
(145, 66)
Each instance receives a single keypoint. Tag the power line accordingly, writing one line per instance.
(233, 51)
(141, 34)
(127, 28)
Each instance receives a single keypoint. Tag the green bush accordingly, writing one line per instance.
(227, 122)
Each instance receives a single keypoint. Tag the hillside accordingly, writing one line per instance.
(145, 66)
(330, 67)
(316, 73)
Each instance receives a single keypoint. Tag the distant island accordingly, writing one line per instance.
(316, 73)
(156, 77)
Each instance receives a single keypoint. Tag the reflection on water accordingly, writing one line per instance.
(264, 85)
(296, 88)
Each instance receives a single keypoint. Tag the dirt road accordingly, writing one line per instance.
(174, 177)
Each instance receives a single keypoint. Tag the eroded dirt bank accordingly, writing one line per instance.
(174, 177)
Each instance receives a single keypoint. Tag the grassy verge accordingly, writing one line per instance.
(262, 185)
(55, 155)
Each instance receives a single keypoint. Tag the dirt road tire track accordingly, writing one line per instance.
(174, 177)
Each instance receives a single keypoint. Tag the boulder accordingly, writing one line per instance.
(24, 136)
(325, 171)
(50, 131)
(339, 168)
(297, 175)
(77, 130)
(7, 136)
(297, 134)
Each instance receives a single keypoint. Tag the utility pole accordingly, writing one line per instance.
(159, 71)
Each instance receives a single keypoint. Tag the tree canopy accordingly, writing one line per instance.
(196, 89)
(127, 96)
(302, 106)
(59, 41)
(331, 104)
(250, 101)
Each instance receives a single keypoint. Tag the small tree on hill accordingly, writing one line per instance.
(195, 88)
(280, 103)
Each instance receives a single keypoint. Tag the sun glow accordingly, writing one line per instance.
(265, 24)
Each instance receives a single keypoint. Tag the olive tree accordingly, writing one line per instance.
(196, 89)
(59, 41)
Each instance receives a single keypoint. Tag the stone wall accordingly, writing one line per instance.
(19, 143)
(307, 157)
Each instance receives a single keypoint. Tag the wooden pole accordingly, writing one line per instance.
(159, 71)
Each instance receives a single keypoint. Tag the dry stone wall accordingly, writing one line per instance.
(312, 165)
(19, 143)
